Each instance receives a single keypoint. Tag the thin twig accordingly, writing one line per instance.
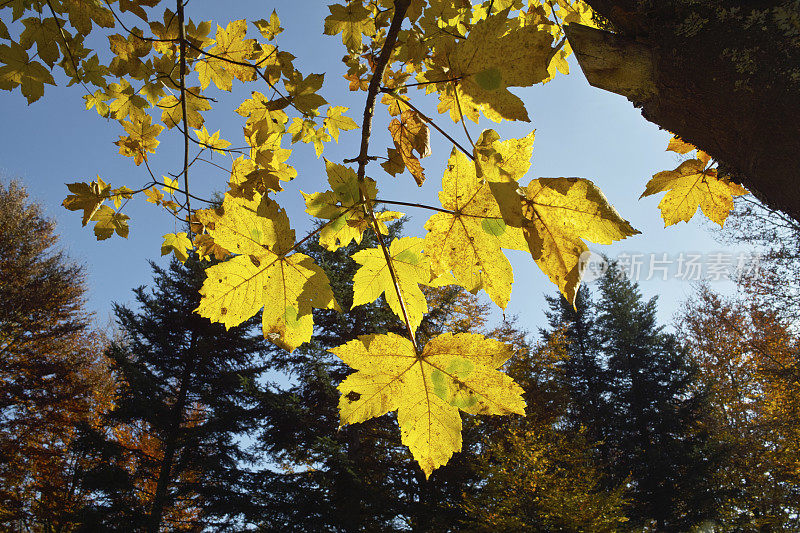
(185, 119)
(433, 208)
(66, 47)
(461, 114)
(400, 8)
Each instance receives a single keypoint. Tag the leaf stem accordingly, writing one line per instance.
(461, 113)
(427, 119)
(400, 8)
(185, 118)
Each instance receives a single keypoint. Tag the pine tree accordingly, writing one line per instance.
(360, 477)
(170, 456)
(52, 373)
(650, 438)
(584, 374)
(538, 474)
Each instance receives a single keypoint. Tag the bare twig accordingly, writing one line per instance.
(430, 121)
(400, 8)
(185, 119)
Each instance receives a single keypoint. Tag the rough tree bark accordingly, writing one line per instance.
(686, 83)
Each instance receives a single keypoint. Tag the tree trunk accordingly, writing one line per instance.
(693, 91)
(171, 445)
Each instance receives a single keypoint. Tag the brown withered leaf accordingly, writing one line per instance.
(411, 134)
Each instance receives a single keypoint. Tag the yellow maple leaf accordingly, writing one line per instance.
(211, 141)
(87, 197)
(16, 69)
(572, 11)
(468, 240)
(232, 46)
(555, 214)
(352, 21)
(264, 273)
(373, 278)
(172, 112)
(497, 54)
(154, 196)
(411, 134)
(45, 34)
(141, 139)
(109, 221)
(679, 146)
(171, 186)
(343, 207)
(335, 121)
(98, 101)
(247, 178)
(126, 102)
(559, 214)
(453, 372)
(693, 184)
(177, 243)
(269, 28)
(82, 13)
(258, 108)
(303, 92)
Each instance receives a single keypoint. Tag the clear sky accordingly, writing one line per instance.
(580, 131)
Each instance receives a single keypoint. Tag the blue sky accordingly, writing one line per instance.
(580, 131)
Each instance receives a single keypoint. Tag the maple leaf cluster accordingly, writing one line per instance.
(470, 56)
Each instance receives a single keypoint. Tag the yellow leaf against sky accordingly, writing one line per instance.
(497, 54)
(109, 221)
(555, 214)
(693, 184)
(269, 28)
(559, 213)
(335, 121)
(87, 197)
(373, 278)
(211, 141)
(172, 112)
(264, 273)
(177, 243)
(17, 69)
(679, 146)
(468, 241)
(126, 102)
(45, 34)
(247, 178)
(231, 45)
(411, 134)
(352, 21)
(141, 139)
(453, 372)
(343, 207)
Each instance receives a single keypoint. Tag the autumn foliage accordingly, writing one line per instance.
(53, 376)
(163, 78)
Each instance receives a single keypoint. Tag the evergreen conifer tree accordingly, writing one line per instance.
(584, 375)
(650, 435)
(170, 455)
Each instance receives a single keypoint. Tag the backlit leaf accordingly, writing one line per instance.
(693, 184)
(468, 241)
(411, 134)
(453, 372)
(263, 274)
(373, 278)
